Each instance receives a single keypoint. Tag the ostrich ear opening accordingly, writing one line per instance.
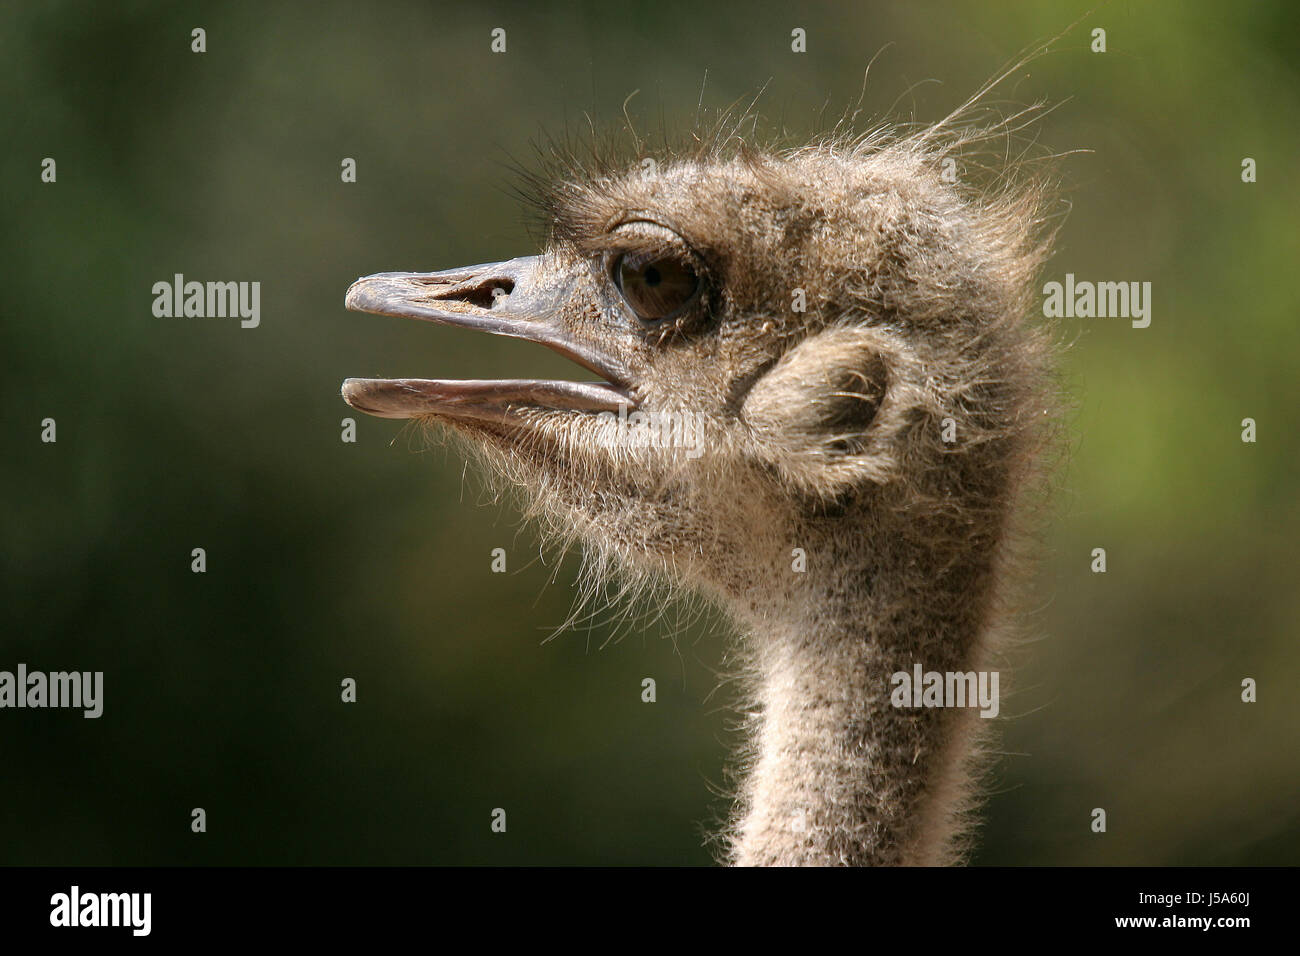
(812, 414)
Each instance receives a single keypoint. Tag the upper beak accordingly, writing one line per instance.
(521, 298)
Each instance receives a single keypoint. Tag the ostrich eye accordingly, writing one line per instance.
(657, 287)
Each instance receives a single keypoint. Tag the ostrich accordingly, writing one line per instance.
(845, 329)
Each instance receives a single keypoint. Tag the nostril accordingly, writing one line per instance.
(483, 296)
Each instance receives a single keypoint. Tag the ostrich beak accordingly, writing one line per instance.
(522, 298)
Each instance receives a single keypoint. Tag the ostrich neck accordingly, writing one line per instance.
(840, 775)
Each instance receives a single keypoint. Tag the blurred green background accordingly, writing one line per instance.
(371, 560)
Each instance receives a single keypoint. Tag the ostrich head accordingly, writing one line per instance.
(818, 398)
(816, 349)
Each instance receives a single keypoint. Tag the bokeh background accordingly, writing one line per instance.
(371, 560)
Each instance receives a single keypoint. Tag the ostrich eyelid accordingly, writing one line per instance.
(672, 234)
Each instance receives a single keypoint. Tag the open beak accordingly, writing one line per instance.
(522, 298)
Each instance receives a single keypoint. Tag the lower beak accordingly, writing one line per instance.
(521, 298)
